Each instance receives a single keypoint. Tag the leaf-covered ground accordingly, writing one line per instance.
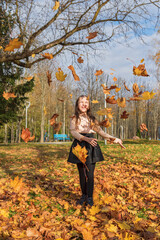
(38, 191)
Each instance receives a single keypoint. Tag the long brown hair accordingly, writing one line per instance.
(77, 111)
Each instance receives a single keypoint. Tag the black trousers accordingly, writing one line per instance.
(86, 178)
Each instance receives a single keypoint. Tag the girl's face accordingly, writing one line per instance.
(83, 104)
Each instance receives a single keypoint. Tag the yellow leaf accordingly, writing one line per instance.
(104, 111)
(118, 89)
(110, 115)
(124, 226)
(94, 210)
(1, 47)
(95, 101)
(17, 184)
(47, 55)
(111, 228)
(142, 60)
(56, 6)
(13, 44)
(60, 75)
(4, 213)
(147, 95)
(33, 55)
(107, 199)
(121, 102)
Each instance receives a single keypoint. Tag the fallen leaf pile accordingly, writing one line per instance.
(39, 189)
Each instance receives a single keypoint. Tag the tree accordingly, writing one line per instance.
(45, 27)
(9, 75)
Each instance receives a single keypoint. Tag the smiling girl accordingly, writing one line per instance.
(83, 127)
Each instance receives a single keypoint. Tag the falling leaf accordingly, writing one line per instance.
(105, 123)
(143, 127)
(114, 79)
(104, 111)
(70, 95)
(56, 6)
(95, 101)
(92, 35)
(28, 78)
(13, 44)
(53, 119)
(135, 88)
(98, 72)
(49, 77)
(126, 87)
(147, 95)
(8, 95)
(111, 73)
(47, 55)
(124, 115)
(112, 69)
(60, 75)
(33, 55)
(76, 78)
(142, 60)
(26, 135)
(57, 127)
(121, 102)
(111, 100)
(140, 70)
(80, 60)
(117, 89)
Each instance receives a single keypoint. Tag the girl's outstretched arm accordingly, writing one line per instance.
(105, 135)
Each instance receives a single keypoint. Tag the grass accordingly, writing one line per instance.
(130, 177)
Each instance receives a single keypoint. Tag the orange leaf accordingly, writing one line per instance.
(56, 6)
(57, 127)
(98, 72)
(118, 89)
(26, 135)
(114, 79)
(111, 100)
(80, 60)
(8, 95)
(140, 70)
(135, 88)
(126, 87)
(121, 102)
(76, 78)
(53, 119)
(92, 35)
(143, 127)
(47, 55)
(80, 153)
(13, 44)
(105, 123)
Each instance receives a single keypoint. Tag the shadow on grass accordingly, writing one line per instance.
(45, 158)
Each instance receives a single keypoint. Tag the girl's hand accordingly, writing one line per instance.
(92, 141)
(119, 141)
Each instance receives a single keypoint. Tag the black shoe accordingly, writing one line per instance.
(89, 201)
(81, 200)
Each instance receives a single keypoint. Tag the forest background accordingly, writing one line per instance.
(57, 34)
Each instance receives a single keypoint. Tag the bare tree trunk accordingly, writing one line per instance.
(12, 133)
(5, 134)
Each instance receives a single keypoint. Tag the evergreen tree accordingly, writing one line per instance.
(9, 74)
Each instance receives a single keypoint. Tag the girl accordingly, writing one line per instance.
(83, 126)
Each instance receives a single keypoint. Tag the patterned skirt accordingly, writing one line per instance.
(94, 153)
